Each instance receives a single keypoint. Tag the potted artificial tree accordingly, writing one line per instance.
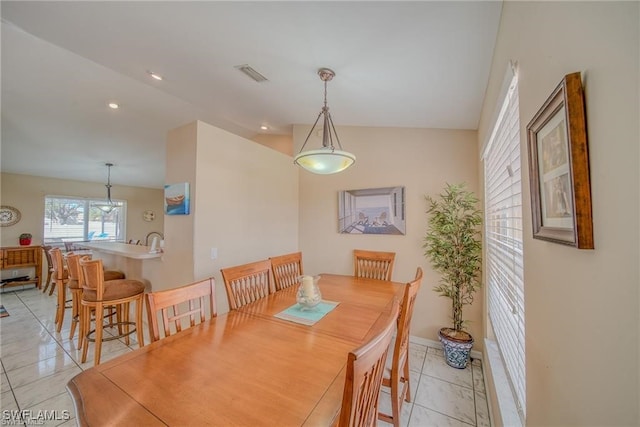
(453, 246)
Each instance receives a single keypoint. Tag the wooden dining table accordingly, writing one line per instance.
(246, 367)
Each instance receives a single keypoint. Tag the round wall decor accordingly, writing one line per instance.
(9, 216)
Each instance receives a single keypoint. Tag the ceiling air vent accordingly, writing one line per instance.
(253, 74)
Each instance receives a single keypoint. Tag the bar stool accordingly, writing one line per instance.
(50, 269)
(75, 285)
(60, 278)
(97, 294)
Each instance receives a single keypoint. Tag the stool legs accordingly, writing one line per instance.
(122, 314)
(62, 301)
(76, 296)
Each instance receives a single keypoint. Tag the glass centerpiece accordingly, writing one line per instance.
(308, 295)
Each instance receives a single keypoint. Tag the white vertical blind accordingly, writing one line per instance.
(503, 231)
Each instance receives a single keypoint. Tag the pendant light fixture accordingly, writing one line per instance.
(109, 205)
(325, 160)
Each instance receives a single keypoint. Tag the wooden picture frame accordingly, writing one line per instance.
(559, 168)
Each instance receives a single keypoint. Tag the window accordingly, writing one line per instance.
(503, 239)
(73, 219)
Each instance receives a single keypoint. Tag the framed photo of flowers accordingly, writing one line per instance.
(559, 167)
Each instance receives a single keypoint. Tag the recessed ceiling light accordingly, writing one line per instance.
(114, 105)
(154, 75)
(264, 127)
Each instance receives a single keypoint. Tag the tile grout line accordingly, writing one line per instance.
(58, 343)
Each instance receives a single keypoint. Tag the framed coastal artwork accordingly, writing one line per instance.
(176, 199)
(372, 211)
(559, 168)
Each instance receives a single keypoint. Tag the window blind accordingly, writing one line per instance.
(503, 236)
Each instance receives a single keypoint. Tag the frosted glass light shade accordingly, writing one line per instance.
(324, 161)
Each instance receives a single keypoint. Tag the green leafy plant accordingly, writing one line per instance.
(453, 245)
(25, 236)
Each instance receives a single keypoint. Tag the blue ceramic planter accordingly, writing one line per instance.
(456, 353)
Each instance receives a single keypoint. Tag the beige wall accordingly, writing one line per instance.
(422, 161)
(26, 193)
(281, 143)
(244, 203)
(581, 306)
(179, 230)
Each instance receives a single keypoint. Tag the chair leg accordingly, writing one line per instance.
(98, 334)
(75, 311)
(53, 287)
(62, 301)
(47, 282)
(139, 323)
(81, 330)
(395, 401)
(407, 383)
(124, 314)
(86, 328)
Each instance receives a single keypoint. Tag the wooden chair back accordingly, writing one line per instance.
(398, 377)
(57, 261)
(50, 268)
(365, 367)
(73, 265)
(93, 273)
(373, 264)
(247, 283)
(169, 304)
(286, 270)
(47, 255)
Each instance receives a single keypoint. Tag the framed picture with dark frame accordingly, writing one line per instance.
(559, 167)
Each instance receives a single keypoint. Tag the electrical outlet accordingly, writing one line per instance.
(14, 273)
(214, 253)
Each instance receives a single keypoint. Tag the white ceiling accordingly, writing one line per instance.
(397, 64)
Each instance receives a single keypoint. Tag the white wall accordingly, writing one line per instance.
(582, 306)
(422, 160)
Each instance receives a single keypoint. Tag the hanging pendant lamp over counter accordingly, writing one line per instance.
(327, 159)
(109, 205)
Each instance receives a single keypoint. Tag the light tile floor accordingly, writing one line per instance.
(37, 363)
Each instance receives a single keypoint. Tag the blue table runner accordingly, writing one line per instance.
(307, 316)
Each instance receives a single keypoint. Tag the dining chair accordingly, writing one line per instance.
(365, 367)
(247, 283)
(397, 377)
(60, 278)
(97, 294)
(286, 269)
(195, 294)
(373, 264)
(50, 270)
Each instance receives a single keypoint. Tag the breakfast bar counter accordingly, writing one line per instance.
(135, 261)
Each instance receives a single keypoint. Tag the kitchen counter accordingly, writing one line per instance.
(122, 249)
(135, 261)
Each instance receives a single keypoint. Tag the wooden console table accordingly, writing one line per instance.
(18, 257)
